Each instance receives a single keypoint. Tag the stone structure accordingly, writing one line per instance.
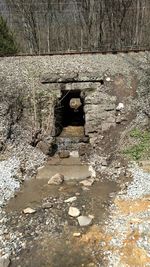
(114, 90)
(48, 26)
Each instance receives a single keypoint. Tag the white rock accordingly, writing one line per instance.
(84, 220)
(70, 200)
(108, 79)
(57, 179)
(29, 211)
(92, 171)
(76, 234)
(87, 182)
(74, 212)
(74, 154)
(4, 261)
(120, 106)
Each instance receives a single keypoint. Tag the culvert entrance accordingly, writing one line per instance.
(69, 114)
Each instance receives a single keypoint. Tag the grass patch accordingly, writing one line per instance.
(142, 148)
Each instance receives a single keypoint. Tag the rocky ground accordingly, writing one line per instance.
(128, 226)
(15, 166)
(117, 231)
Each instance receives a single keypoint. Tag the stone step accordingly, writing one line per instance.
(71, 168)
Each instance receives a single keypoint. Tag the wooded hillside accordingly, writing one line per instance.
(52, 26)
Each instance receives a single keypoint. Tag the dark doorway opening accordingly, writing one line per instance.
(69, 110)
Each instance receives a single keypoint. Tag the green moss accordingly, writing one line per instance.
(7, 43)
(142, 148)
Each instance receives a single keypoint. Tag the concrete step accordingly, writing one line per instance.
(71, 168)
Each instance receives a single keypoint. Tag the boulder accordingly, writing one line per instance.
(44, 147)
(57, 179)
(48, 147)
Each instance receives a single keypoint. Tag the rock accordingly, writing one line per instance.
(44, 147)
(4, 261)
(76, 234)
(74, 154)
(47, 205)
(59, 77)
(93, 140)
(57, 179)
(104, 162)
(84, 188)
(70, 200)
(1, 146)
(108, 79)
(92, 171)
(64, 154)
(84, 139)
(29, 211)
(75, 103)
(117, 165)
(47, 145)
(84, 220)
(110, 107)
(82, 149)
(107, 125)
(74, 212)
(120, 107)
(88, 182)
(120, 119)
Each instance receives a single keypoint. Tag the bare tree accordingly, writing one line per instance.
(52, 26)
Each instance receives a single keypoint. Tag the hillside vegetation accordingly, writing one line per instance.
(8, 45)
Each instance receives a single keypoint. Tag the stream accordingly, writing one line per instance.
(47, 236)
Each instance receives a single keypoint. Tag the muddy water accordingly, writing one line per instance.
(59, 248)
(94, 201)
(72, 168)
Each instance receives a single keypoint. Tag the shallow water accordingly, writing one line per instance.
(72, 168)
(34, 191)
(61, 249)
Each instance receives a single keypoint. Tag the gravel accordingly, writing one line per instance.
(10, 177)
(140, 185)
(8, 184)
(19, 230)
(119, 225)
